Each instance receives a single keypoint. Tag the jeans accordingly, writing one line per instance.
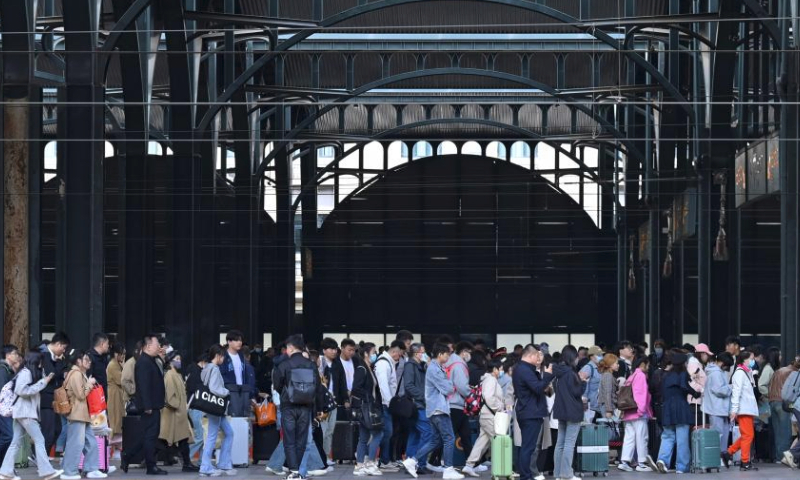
(796, 449)
(565, 449)
(442, 436)
(419, 435)
(295, 422)
(61, 441)
(6, 435)
(80, 439)
(327, 432)
(31, 426)
(196, 417)
(311, 459)
(215, 424)
(150, 427)
(723, 426)
(368, 442)
(386, 441)
(781, 424)
(676, 436)
(531, 429)
(636, 437)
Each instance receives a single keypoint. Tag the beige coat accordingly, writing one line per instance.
(174, 415)
(128, 378)
(116, 400)
(77, 386)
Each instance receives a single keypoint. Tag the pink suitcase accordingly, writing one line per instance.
(103, 454)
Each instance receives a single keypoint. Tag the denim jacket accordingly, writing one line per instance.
(437, 388)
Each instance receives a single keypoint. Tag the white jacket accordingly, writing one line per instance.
(386, 373)
(743, 399)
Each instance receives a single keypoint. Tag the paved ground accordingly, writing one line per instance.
(343, 472)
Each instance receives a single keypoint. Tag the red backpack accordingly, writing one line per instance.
(474, 401)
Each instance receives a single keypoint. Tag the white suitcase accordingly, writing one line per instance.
(242, 439)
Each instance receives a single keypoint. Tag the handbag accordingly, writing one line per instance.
(96, 399)
(401, 406)
(625, 400)
(132, 409)
(266, 414)
(368, 414)
(207, 402)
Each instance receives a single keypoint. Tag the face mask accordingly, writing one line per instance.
(502, 373)
(752, 364)
(373, 358)
(599, 358)
(467, 357)
(425, 358)
(659, 351)
(176, 364)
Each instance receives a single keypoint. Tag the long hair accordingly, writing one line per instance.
(33, 362)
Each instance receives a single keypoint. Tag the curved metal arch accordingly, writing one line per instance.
(449, 71)
(549, 12)
(475, 121)
(765, 19)
(383, 175)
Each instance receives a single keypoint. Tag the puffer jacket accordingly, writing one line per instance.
(717, 392)
(414, 382)
(743, 399)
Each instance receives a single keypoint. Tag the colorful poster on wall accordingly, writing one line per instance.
(756, 170)
(684, 215)
(740, 178)
(773, 165)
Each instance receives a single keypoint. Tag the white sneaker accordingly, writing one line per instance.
(317, 473)
(539, 477)
(450, 473)
(14, 477)
(96, 474)
(212, 473)
(788, 459)
(435, 468)
(229, 472)
(329, 469)
(410, 465)
(481, 468)
(273, 472)
(468, 470)
(111, 469)
(360, 470)
(643, 468)
(662, 467)
(372, 469)
(69, 477)
(625, 467)
(389, 468)
(53, 475)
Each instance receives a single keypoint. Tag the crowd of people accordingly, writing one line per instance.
(407, 404)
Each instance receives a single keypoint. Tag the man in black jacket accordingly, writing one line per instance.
(333, 371)
(295, 417)
(53, 361)
(99, 356)
(150, 400)
(531, 407)
(9, 366)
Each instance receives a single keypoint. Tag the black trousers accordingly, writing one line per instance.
(462, 429)
(295, 421)
(530, 429)
(51, 427)
(151, 425)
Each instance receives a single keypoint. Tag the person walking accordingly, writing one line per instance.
(150, 400)
(386, 374)
(233, 374)
(458, 371)
(590, 370)
(9, 365)
(568, 410)
(493, 401)
(80, 438)
(529, 384)
(437, 409)
(55, 363)
(295, 416)
(212, 378)
(677, 416)
(366, 392)
(116, 396)
(27, 385)
(636, 435)
(744, 409)
(175, 431)
(333, 371)
(193, 383)
(414, 381)
(717, 396)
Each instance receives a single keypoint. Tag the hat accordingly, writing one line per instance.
(595, 350)
(499, 352)
(702, 348)
(678, 358)
(544, 347)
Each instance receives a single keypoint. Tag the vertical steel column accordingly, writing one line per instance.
(81, 153)
(308, 170)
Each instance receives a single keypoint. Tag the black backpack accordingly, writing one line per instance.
(301, 388)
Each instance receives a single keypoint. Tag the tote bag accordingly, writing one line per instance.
(205, 401)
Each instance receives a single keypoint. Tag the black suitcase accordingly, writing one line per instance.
(132, 430)
(345, 440)
(265, 439)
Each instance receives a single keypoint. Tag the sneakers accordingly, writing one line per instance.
(389, 468)
(14, 477)
(410, 464)
(273, 472)
(539, 477)
(329, 469)
(662, 467)
(450, 473)
(67, 477)
(372, 469)
(212, 473)
(359, 470)
(317, 473)
(229, 472)
(481, 468)
(643, 468)
(625, 467)
(111, 469)
(96, 474)
(651, 463)
(53, 475)
(435, 468)
(469, 470)
(726, 459)
(747, 467)
(295, 476)
(788, 459)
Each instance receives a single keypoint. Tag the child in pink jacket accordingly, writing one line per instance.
(636, 420)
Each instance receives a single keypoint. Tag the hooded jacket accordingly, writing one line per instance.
(458, 372)
(743, 399)
(568, 405)
(529, 385)
(414, 382)
(27, 404)
(717, 392)
(386, 373)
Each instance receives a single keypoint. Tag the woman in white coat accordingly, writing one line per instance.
(493, 402)
(744, 408)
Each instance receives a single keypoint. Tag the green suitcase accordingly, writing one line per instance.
(592, 450)
(502, 466)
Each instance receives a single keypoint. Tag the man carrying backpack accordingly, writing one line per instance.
(296, 380)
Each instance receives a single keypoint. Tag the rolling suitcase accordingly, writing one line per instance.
(345, 440)
(592, 449)
(240, 452)
(131, 431)
(705, 449)
(103, 455)
(265, 440)
(502, 464)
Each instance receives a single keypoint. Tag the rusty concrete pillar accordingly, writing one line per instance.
(16, 155)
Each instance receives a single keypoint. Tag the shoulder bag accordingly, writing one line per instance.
(207, 402)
